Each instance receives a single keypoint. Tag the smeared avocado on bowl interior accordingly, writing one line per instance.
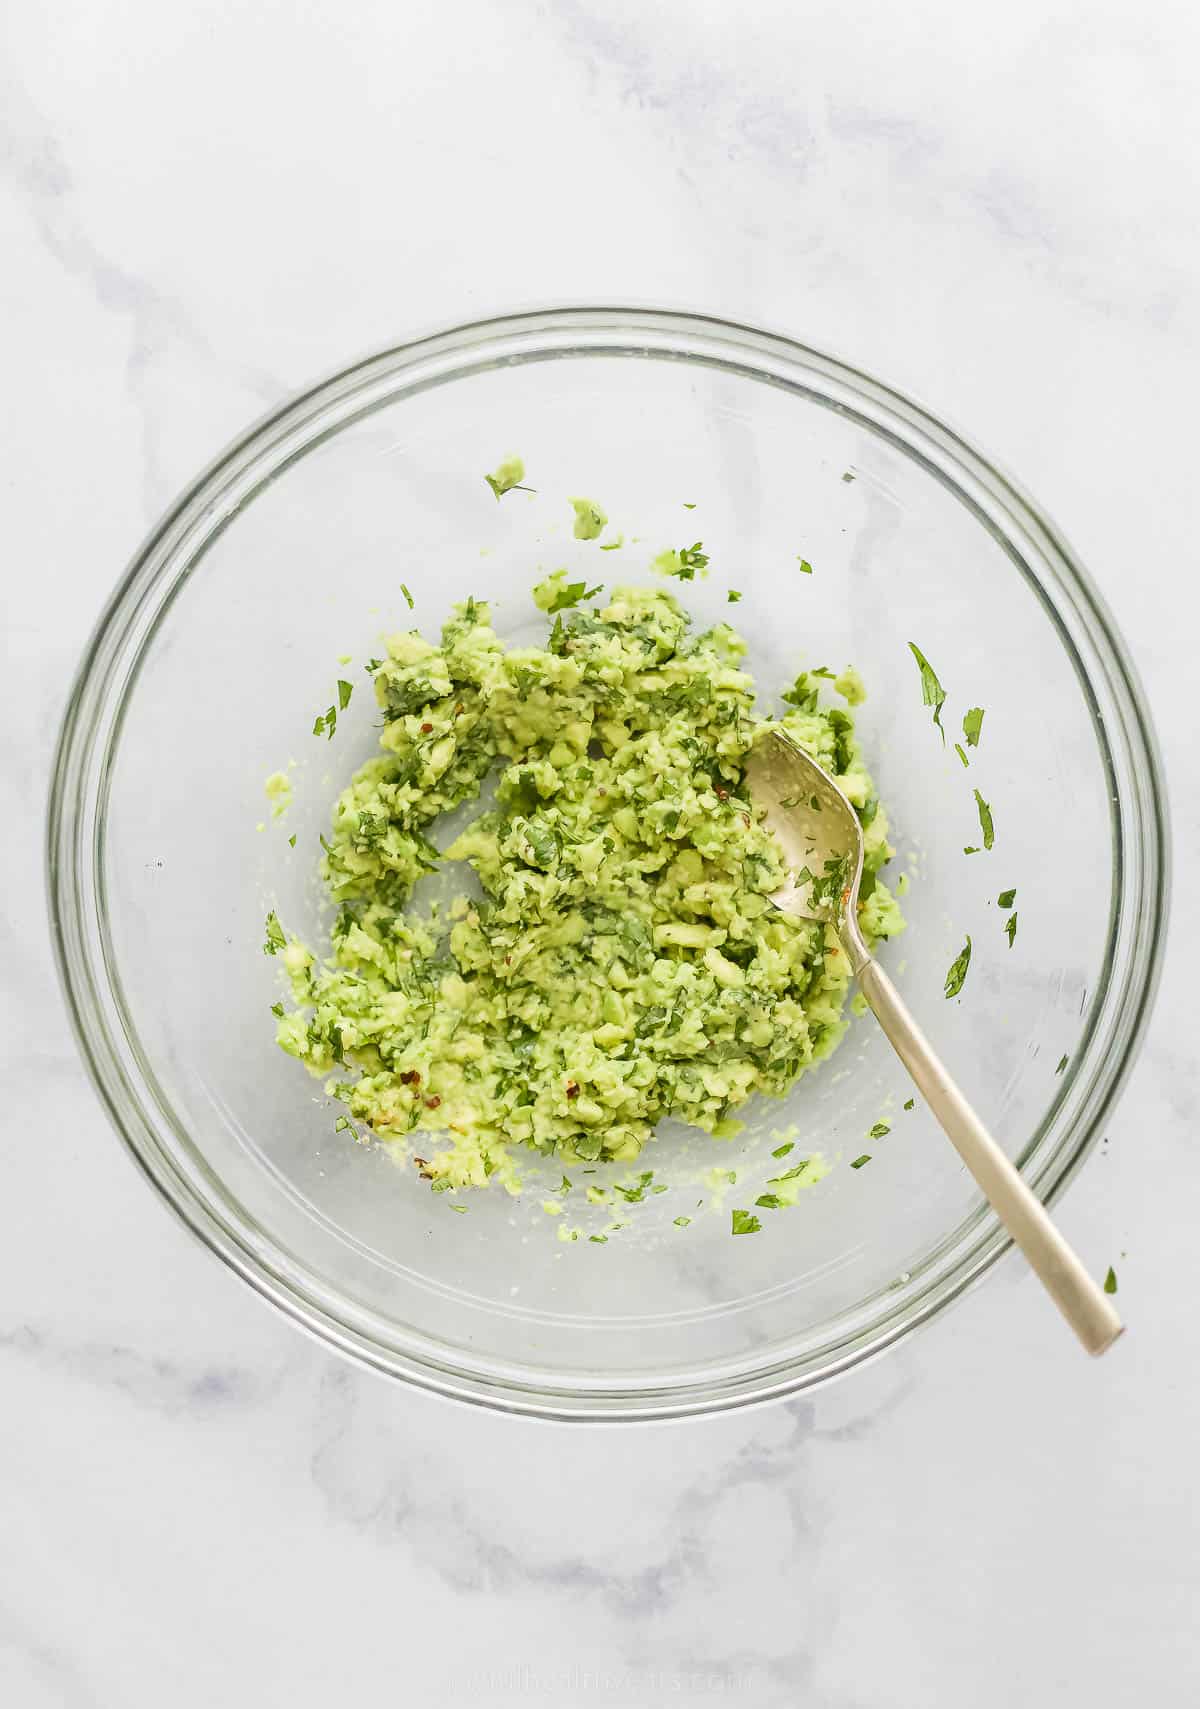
(624, 963)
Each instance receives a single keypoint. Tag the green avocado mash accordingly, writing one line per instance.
(624, 963)
(590, 520)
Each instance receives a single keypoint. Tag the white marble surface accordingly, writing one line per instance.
(203, 207)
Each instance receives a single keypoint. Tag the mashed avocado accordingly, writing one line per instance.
(590, 520)
(624, 963)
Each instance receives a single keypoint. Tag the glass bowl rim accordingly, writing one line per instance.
(126, 627)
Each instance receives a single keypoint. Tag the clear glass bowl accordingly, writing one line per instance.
(222, 643)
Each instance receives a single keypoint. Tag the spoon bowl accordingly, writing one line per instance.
(815, 825)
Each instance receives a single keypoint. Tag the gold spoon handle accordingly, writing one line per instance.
(1082, 1302)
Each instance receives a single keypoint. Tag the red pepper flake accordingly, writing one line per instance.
(508, 961)
(432, 1103)
(423, 1169)
(572, 1089)
(722, 794)
(410, 1077)
(426, 728)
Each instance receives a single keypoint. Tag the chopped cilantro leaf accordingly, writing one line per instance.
(879, 1131)
(972, 725)
(1110, 1281)
(326, 723)
(932, 692)
(791, 1174)
(782, 1150)
(985, 821)
(805, 567)
(958, 970)
(1062, 1063)
(909, 1103)
(1010, 926)
(1006, 898)
(682, 1221)
(599, 1239)
(770, 1201)
(745, 1222)
(859, 1161)
(277, 1009)
(275, 935)
(408, 596)
(635, 1194)
(732, 597)
(292, 840)
(958, 748)
(691, 559)
(571, 594)
(687, 506)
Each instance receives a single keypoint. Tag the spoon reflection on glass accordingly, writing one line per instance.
(822, 842)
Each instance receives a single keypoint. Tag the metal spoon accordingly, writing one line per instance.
(822, 841)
